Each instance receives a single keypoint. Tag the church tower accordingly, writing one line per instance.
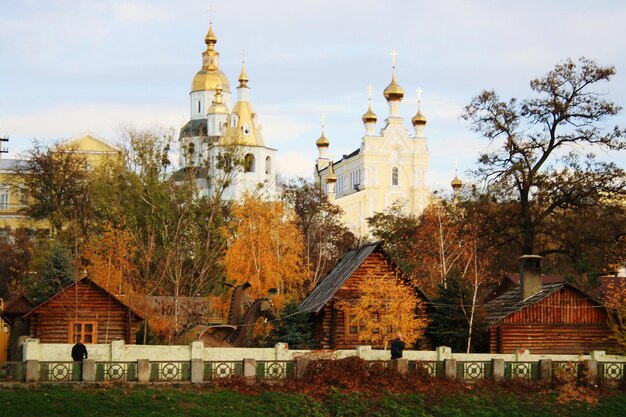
(389, 166)
(224, 146)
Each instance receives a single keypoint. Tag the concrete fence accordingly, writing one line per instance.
(45, 362)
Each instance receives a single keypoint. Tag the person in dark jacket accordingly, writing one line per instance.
(79, 351)
(397, 346)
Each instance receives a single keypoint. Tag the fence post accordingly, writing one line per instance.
(249, 370)
(32, 371)
(545, 370)
(400, 366)
(497, 369)
(197, 370)
(143, 370)
(89, 370)
(301, 365)
(449, 368)
(443, 352)
(117, 350)
(590, 373)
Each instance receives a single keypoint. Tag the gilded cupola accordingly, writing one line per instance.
(209, 75)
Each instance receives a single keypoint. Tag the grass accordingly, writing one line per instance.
(187, 400)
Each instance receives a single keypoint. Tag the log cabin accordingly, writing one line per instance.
(86, 310)
(546, 318)
(333, 328)
(11, 313)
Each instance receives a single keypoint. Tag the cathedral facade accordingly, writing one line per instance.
(223, 142)
(389, 166)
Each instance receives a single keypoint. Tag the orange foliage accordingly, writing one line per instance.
(265, 248)
(109, 258)
(386, 306)
(616, 303)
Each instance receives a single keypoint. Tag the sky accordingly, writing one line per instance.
(70, 66)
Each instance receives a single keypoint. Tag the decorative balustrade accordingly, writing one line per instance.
(170, 371)
(116, 371)
(221, 370)
(275, 370)
(564, 370)
(469, 370)
(12, 371)
(521, 370)
(60, 371)
(612, 371)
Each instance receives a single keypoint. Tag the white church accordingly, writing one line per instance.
(218, 136)
(390, 165)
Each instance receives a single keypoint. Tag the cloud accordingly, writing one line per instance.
(137, 12)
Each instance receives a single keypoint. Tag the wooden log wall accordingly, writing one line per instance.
(334, 332)
(83, 301)
(565, 322)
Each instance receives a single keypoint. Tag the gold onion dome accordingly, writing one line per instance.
(419, 118)
(210, 75)
(243, 76)
(369, 116)
(456, 183)
(393, 92)
(218, 106)
(322, 142)
(331, 174)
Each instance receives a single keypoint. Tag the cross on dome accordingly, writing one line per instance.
(211, 10)
(369, 91)
(393, 54)
(243, 56)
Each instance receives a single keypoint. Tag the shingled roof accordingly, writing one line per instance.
(331, 283)
(510, 302)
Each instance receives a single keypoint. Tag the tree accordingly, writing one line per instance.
(396, 229)
(325, 236)
(53, 269)
(16, 249)
(538, 169)
(616, 305)
(385, 307)
(265, 248)
(294, 328)
(58, 182)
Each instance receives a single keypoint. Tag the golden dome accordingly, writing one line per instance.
(207, 80)
(456, 183)
(210, 36)
(369, 116)
(419, 118)
(393, 92)
(322, 142)
(331, 173)
(218, 106)
(243, 76)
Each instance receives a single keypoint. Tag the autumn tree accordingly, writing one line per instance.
(616, 304)
(396, 229)
(16, 250)
(544, 163)
(265, 248)
(326, 238)
(58, 183)
(386, 306)
(109, 260)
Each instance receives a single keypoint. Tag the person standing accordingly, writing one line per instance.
(397, 346)
(79, 351)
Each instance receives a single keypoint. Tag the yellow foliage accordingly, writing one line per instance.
(265, 248)
(109, 258)
(616, 304)
(386, 306)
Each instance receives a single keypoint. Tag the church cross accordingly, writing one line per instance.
(393, 54)
(243, 56)
(211, 11)
(323, 121)
(369, 91)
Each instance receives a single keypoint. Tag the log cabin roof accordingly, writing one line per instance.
(331, 283)
(510, 302)
(19, 304)
(90, 282)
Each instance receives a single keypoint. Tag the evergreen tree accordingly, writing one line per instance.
(294, 328)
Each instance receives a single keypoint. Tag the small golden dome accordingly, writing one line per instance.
(218, 106)
(419, 118)
(322, 142)
(456, 183)
(393, 92)
(207, 80)
(369, 116)
(243, 76)
(331, 174)
(210, 36)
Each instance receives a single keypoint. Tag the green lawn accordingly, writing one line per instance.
(77, 401)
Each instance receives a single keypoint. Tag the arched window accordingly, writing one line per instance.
(248, 163)
(394, 176)
(233, 120)
(268, 165)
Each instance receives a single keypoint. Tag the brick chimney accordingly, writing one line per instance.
(530, 275)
